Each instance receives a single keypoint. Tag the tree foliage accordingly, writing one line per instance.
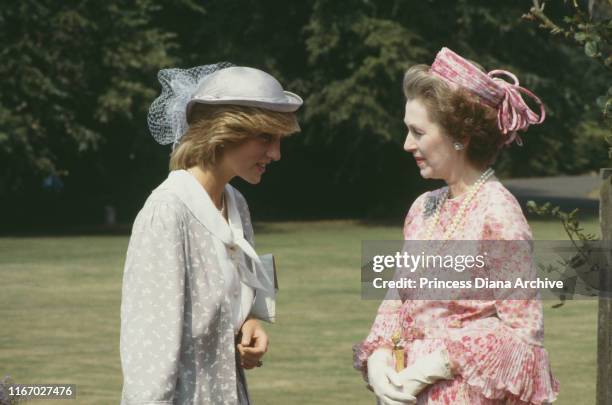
(588, 24)
(70, 72)
(77, 81)
(78, 78)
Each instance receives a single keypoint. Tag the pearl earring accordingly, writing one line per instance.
(458, 146)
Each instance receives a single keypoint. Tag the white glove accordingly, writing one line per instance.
(380, 373)
(425, 371)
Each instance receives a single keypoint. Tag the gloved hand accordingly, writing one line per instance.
(380, 373)
(423, 372)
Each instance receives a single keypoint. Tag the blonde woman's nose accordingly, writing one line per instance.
(274, 151)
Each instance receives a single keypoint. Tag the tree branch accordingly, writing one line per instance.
(537, 12)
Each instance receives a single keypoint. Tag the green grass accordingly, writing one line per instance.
(59, 313)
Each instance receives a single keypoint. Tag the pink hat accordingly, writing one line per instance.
(513, 114)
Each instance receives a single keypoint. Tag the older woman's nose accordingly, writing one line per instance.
(409, 144)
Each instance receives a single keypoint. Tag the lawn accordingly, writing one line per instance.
(59, 313)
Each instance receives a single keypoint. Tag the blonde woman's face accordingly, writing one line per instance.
(432, 150)
(250, 159)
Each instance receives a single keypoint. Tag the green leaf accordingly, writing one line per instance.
(590, 49)
(580, 36)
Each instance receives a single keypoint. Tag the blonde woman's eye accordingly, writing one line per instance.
(266, 137)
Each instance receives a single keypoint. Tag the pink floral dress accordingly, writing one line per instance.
(495, 345)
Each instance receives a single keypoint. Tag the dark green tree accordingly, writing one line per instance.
(77, 81)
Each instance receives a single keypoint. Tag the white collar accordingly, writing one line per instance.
(185, 186)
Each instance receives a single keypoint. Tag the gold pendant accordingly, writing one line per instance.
(398, 352)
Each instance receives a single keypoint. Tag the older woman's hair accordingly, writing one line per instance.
(459, 113)
(214, 128)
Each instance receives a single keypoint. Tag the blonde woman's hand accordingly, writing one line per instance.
(253, 344)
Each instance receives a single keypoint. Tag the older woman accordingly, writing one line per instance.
(191, 276)
(485, 351)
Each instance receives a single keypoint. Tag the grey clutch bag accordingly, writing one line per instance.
(264, 305)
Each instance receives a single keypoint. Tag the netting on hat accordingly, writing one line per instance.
(167, 115)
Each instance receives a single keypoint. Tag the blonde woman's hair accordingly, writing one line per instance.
(214, 128)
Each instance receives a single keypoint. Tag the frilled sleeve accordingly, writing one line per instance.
(385, 325)
(387, 321)
(152, 305)
(507, 360)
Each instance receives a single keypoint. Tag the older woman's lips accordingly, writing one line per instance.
(419, 161)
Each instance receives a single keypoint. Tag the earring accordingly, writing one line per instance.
(458, 146)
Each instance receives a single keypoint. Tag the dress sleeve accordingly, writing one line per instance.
(152, 305)
(387, 321)
(507, 360)
(385, 325)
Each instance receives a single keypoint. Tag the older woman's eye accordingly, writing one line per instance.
(416, 134)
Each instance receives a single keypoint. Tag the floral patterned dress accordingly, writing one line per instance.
(178, 329)
(495, 345)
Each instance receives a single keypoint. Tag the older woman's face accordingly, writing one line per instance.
(432, 149)
(249, 159)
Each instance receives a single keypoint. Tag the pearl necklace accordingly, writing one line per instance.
(471, 193)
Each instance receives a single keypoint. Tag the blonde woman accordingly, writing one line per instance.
(192, 275)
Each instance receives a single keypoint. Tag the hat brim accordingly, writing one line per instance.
(291, 102)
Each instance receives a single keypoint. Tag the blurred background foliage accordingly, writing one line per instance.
(78, 77)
